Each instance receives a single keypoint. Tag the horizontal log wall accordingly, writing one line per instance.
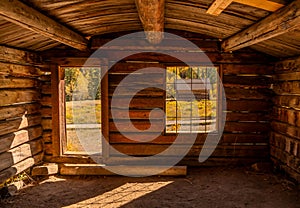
(246, 133)
(285, 137)
(247, 82)
(21, 143)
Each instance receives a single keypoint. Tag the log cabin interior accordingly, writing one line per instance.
(253, 46)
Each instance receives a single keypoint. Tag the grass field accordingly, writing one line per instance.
(83, 111)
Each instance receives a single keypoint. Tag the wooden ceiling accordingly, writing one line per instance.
(269, 26)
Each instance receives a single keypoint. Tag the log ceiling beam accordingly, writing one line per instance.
(151, 14)
(29, 18)
(218, 6)
(282, 21)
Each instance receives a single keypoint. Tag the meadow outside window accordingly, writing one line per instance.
(191, 99)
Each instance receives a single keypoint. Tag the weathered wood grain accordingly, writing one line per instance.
(287, 88)
(151, 14)
(165, 45)
(285, 143)
(227, 138)
(20, 153)
(249, 94)
(45, 170)
(288, 65)
(238, 69)
(286, 129)
(289, 116)
(11, 126)
(218, 6)
(29, 18)
(15, 96)
(15, 111)
(220, 151)
(287, 159)
(192, 57)
(81, 169)
(278, 23)
(12, 140)
(18, 56)
(12, 82)
(18, 70)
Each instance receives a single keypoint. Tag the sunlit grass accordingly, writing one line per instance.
(83, 111)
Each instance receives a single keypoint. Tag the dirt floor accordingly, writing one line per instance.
(203, 187)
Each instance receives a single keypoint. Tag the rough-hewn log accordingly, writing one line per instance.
(11, 126)
(141, 44)
(14, 139)
(15, 111)
(81, 169)
(287, 88)
(12, 82)
(20, 153)
(151, 14)
(288, 65)
(9, 97)
(287, 101)
(191, 57)
(29, 18)
(220, 151)
(240, 93)
(18, 70)
(17, 56)
(45, 170)
(218, 7)
(284, 20)
(241, 69)
(232, 138)
(19, 167)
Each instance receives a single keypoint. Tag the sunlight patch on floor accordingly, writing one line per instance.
(121, 195)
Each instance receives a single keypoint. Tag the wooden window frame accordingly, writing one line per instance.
(219, 100)
(59, 139)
